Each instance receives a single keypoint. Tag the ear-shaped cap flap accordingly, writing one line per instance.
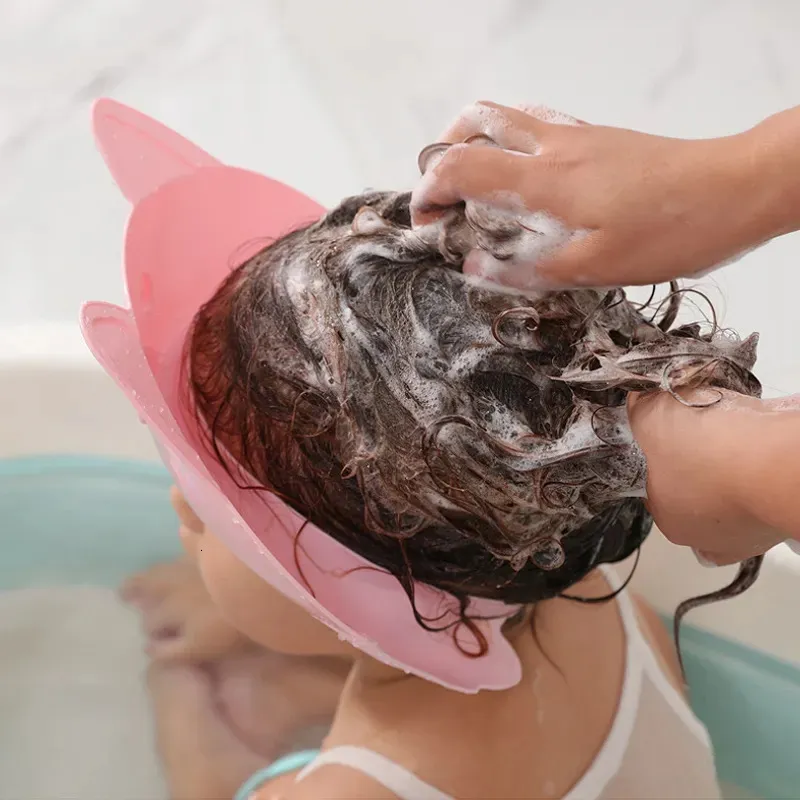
(142, 154)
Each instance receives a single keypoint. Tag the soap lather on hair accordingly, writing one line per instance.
(450, 432)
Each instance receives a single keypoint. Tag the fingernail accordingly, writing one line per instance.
(431, 155)
(703, 561)
(481, 138)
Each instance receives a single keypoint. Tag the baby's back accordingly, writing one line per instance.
(597, 715)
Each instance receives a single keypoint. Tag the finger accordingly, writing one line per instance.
(576, 264)
(471, 172)
(547, 114)
(510, 128)
(599, 260)
(511, 273)
(582, 262)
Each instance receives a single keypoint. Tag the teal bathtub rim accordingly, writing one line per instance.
(749, 700)
(49, 538)
(36, 465)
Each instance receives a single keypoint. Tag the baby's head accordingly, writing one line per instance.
(450, 433)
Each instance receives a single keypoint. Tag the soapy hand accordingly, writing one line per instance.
(641, 209)
(708, 479)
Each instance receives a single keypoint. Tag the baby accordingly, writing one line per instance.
(473, 440)
(223, 705)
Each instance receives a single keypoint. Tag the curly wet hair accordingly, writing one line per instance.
(452, 433)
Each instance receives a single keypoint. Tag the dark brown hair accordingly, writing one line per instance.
(451, 433)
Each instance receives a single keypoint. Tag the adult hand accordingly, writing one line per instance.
(718, 481)
(644, 209)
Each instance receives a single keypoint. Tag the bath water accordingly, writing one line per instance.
(74, 712)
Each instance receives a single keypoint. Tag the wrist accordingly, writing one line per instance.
(769, 436)
(738, 423)
(767, 158)
(691, 441)
(703, 448)
(722, 432)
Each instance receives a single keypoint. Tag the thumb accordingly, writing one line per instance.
(577, 263)
(580, 262)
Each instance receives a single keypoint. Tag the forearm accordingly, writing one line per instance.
(770, 160)
(768, 481)
(722, 478)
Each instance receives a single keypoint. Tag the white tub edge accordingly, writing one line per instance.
(55, 398)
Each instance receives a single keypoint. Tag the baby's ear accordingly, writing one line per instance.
(185, 512)
(368, 220)
(140, 153)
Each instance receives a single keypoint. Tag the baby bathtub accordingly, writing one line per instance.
(84, 501)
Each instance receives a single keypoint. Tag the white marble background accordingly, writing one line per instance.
(337, 96)
(334, 96)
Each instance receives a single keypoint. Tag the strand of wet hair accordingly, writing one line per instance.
(607, 597)
(747, 575)
(674, 299)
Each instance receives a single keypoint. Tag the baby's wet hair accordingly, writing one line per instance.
(450, 432)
